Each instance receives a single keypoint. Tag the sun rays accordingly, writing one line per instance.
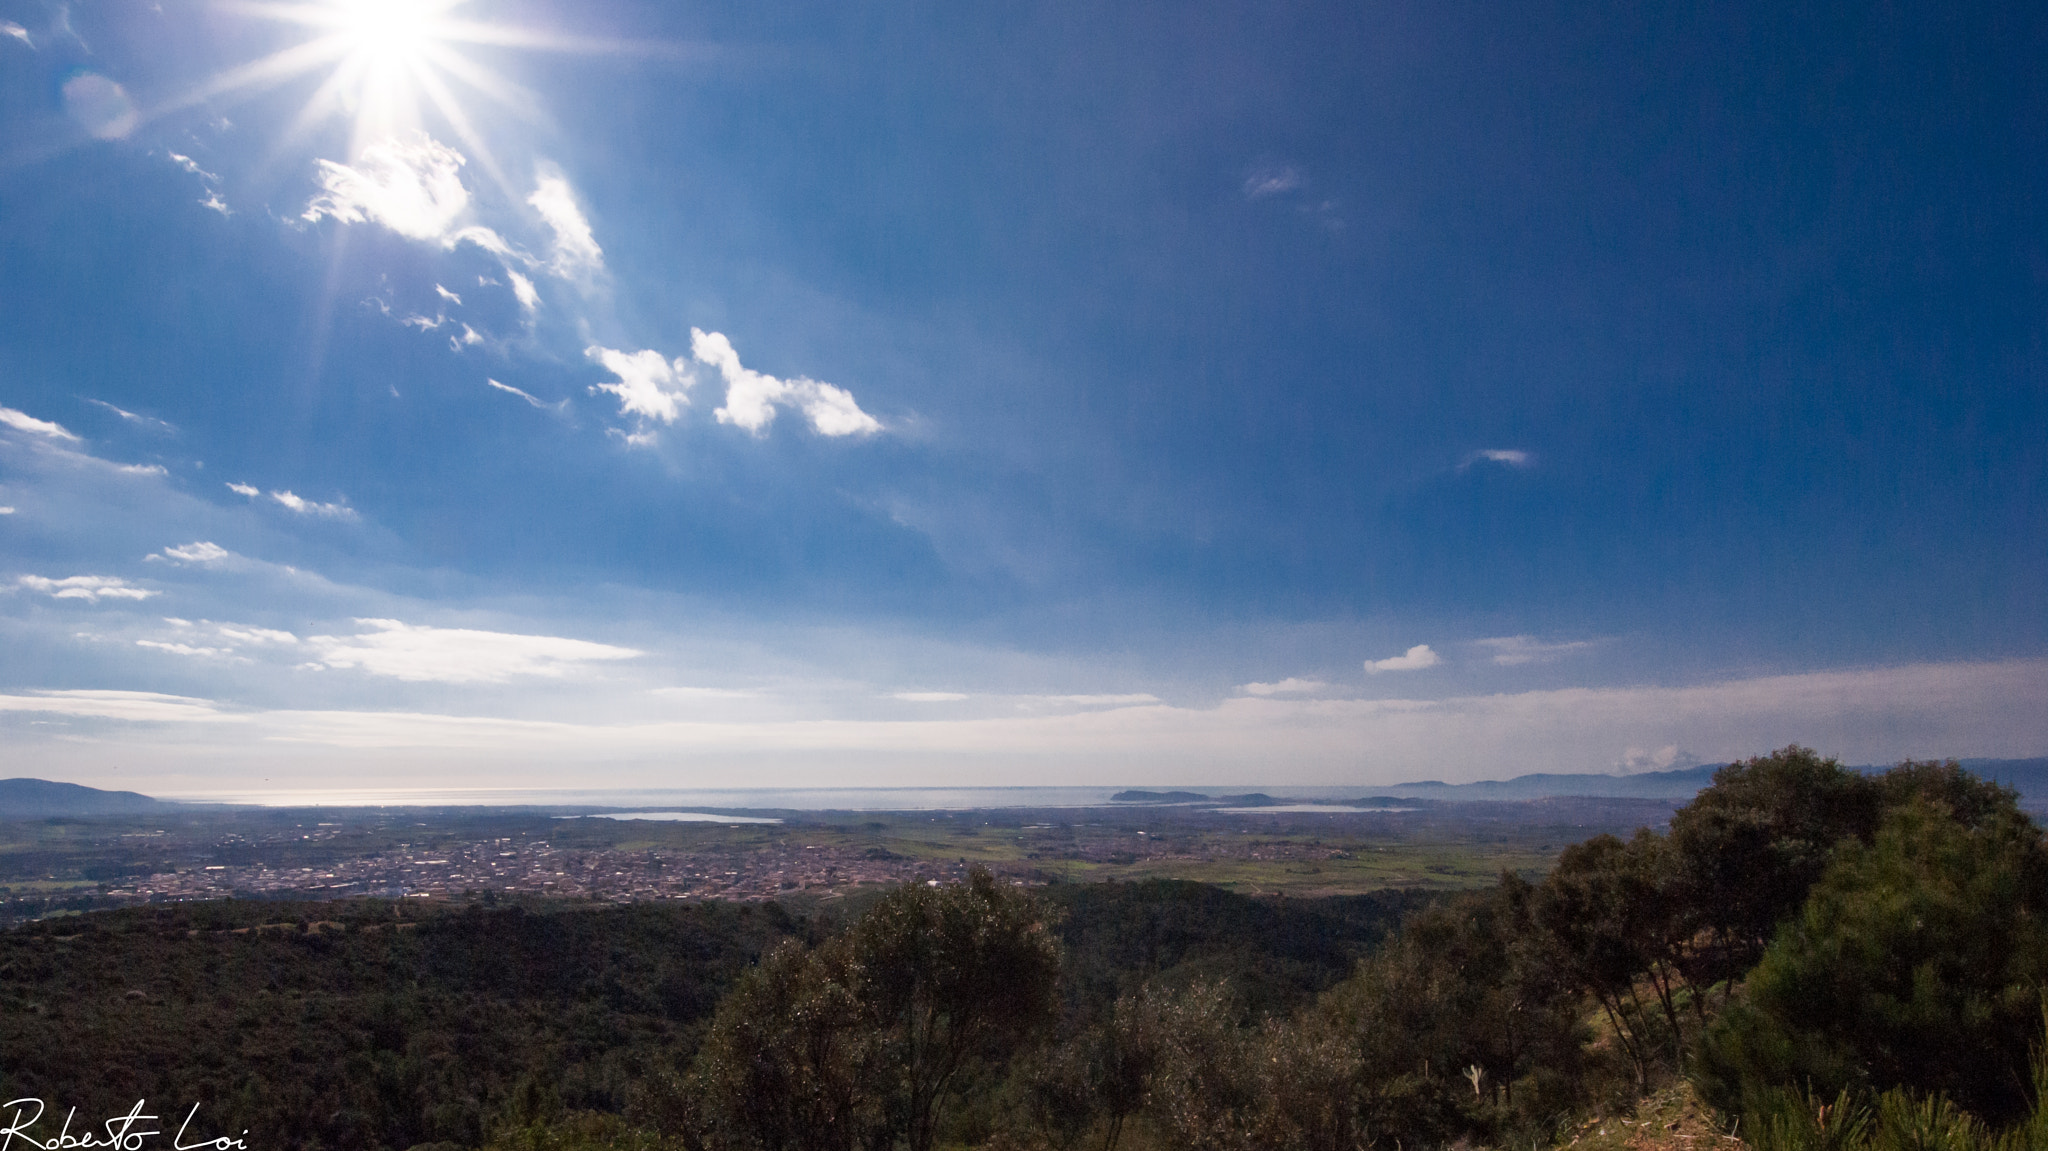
(388, 67)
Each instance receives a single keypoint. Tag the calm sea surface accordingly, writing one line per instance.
(736, 799)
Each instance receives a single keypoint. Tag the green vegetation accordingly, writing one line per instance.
(1819, 959)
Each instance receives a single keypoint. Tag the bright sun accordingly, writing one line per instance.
(386, 29)
(387, 64)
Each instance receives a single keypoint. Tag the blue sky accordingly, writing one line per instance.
(536, 394)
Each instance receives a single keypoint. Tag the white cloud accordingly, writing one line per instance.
(1271, 182)
(702, 692)
(1511, 457)
(1864, 715)
(447, 295)
(142, 469)
(468, 338)
(22, 421)
(1665, 758)
(414, 189)
(1515, 650)
(1292, 685)
(191, 165)
(929, 696)
(248, 490)
(546, 407)
(100, 105)
(750, 396)
(523, 289)
(575, 254)
(133, 418)
(197, 552)
(89, 588)
(422, 323)
(1131, 699)
(306, 507)
(214, 202)
(6, 511)
(133, 706)
(184, 649)
(10, 28)
(259, 635)
(1414, 659)
(649, 385)
(459, 655)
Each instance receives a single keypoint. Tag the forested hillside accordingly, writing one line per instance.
(1827, 959)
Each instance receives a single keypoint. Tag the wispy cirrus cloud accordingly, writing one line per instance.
(524, 291)
(425, 654)
(150, 422)
(529, 397)
(207, 179)
(306, 507)
(1414, 659)
(196, 552)
(1507, 457)
(90, 588)
(23, 422)
(929, 696)
(574, 254)
(209, 640)
(246, 634)
(1292, 685)
(1271, 181)
(185, 649)
(1515, 650)
(132, 706)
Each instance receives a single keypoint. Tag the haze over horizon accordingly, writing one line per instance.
(524, 394)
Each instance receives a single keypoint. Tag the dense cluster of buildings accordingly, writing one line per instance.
(518, 866)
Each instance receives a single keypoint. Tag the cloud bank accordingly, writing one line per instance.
(459, 655)
(90, 588)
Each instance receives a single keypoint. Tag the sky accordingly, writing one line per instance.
(616, 394)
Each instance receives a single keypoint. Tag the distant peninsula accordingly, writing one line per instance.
(24, 798)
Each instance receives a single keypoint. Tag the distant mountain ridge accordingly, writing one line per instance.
(1681, 783)
(25, 798)
(2029, 777)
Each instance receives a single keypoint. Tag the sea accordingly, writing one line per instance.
(738, 799)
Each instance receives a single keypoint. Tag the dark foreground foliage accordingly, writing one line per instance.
(374, 1023)
(1838, 962)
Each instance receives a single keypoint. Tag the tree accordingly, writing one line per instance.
(950, 977)
(1751, 846)
(1611, 909)
(1917, 962)
(790, 1063)
(857, 1043)
(1469, 983)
